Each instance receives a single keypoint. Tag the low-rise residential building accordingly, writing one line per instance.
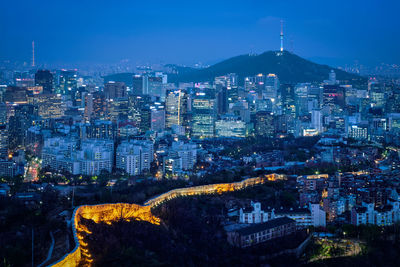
(381, 216)
(258, 233)
(304, 217)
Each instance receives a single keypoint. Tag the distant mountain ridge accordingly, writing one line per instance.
(289, 67)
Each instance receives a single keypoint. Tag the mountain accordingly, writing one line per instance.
(289, 67)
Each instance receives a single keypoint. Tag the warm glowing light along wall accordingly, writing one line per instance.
(109, 213)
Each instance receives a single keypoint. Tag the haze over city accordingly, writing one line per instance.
(187, 32)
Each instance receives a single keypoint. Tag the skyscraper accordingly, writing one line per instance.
(301, 99)
(155, 87)
(118, 109)
(19, 124)
(204, 114)
(48, 105)
(333, 97)
(316, 120)
(264, 124)
(136, 104)
(67, 82)
(222, 99)
(176, 107)
(3, 114)
(272, 87)
(137, 85)
(45, 79)
(287, 98)
(113, 90)
(16, 94)
(3, 142)
(377, 95)
(157, 119)
(145, 119)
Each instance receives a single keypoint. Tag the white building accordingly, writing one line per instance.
(57, 153)
(94, 155)
(304, 217)
(187, 152)
(357, 132)
(316, 120)
(134, 156)
(382, 216)
(173, 164)
(231, 127)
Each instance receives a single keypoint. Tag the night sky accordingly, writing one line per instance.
(185, 32)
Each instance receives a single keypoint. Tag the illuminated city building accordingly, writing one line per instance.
(313, 215)
(67, 82)
(95, 156)
(204, 114)
(231, 126)
(157, 119)
(358, 132)
(16, 95)
(50, 106)
(264, 124)
(134, 157)
(113, 90)
(383, 215)
(118, 109)
(187, 152)
(176, 108)
(45, 79)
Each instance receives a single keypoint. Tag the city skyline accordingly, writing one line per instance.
(133, 133)
(185, 33)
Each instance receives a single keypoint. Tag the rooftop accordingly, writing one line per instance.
(255, 228)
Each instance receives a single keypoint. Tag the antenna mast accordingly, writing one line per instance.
(33, 53)
(281, 35)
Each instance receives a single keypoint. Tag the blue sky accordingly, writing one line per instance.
(89, 31)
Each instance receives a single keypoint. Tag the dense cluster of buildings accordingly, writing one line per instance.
(83, 125)
(43, 104)
(357, 198)
(227, 107)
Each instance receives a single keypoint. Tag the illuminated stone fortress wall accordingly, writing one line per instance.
(109, 213)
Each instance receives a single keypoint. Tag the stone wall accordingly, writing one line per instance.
(109, 213)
